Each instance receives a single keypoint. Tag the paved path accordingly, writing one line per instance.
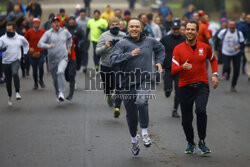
(39, 132)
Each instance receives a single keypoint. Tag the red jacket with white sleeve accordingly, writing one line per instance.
(197, 57)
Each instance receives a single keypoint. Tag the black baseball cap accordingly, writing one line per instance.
(175, 25)
(54, 19)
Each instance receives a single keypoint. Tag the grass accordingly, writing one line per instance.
(2, 8)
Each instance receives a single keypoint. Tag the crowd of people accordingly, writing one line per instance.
(181, 47)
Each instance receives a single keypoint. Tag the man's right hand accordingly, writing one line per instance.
(187, 66)
(3, 49)
(51, 46)
(107, 44)
(136, 51)
(216, 53)
(31, 50)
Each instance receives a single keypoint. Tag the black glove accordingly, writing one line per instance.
(113, 42)
(3, 49)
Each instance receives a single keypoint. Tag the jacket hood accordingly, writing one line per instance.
(142, 37)
(106, 7)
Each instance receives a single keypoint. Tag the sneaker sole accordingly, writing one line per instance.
(116, 114)
(204, 152)
(137, 153)
(148, 145)
(61, 100)
(189, 152)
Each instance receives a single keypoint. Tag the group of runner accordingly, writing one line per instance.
(121, 45)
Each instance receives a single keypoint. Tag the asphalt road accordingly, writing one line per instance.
(39, 132)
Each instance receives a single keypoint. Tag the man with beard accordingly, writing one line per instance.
(189, 61)
(134, 56)
(58, 42)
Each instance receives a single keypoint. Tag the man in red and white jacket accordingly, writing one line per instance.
(189, 61)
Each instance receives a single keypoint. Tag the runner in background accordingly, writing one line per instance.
(36, 55)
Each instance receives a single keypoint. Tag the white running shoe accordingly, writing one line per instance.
(146, 140)
(9, 101)
(18, 96)
(135, 146)
(61, 97)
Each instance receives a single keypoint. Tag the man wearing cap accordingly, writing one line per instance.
(169, 42)
(62, 17)
(58, 41)
(126, 16)
(47, 24)
(2, 32)
(36, 56)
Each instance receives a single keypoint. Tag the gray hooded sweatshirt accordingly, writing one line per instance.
(122, 57)
(104, 52)
(62, 40)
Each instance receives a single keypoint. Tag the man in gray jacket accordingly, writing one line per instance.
(133, 54)
(10, 45)
(104, 48)
(58, 41)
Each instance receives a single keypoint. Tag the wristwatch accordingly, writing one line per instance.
(216, 73)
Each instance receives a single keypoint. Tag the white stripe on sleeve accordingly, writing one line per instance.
(212, 57)
(175, 62)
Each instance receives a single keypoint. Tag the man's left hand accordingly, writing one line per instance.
(215, 80)
(69, 52)
(159, 67)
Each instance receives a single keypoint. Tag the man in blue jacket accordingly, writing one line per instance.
(133, 55)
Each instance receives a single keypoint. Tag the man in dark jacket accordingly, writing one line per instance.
(134, 56)
(78, 38)
(47, 24)
(217, 42)
(170, 41)
(87, 6)
(2, 32)
(34, 8)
